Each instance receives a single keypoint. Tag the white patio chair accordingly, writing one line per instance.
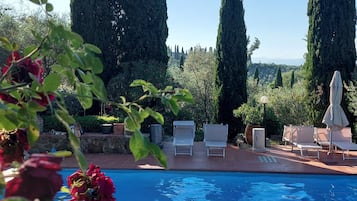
(184, 135)
(215, 139)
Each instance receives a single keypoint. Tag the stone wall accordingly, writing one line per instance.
(90, 143)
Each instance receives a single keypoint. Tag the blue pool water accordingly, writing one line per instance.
(160, 185)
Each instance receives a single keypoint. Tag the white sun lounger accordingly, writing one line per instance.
(215, 138)
(303, 139)
(342, 140)
(184, 135)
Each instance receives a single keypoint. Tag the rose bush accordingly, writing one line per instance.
(27, 88)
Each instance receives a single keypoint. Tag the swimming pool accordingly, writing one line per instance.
(161, 185)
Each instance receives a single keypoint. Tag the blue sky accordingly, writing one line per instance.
(280, 25)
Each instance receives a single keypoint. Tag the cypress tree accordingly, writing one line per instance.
(125, 30)
(130, 33)
(292, 79)
(92, 20)
(231, 59)
(278, 80)
(141, 30)
(331, 47)
(256, 75)
(181, 61)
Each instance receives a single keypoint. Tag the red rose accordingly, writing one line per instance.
(79, 185)
(91, 185)
(38, 178)
(8, 99)
(43, 100)
(22, 68)
(13, 145)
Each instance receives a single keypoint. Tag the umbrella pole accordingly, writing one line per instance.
(330, 145)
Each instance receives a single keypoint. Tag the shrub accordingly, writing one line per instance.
(90, 123)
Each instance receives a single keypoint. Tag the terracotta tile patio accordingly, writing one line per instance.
(277, 158)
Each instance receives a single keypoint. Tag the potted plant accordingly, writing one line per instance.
(118, 128)
(107, 128)
(251, 116)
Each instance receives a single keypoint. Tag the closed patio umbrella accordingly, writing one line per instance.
(335, 118)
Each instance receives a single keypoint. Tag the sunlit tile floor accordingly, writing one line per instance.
(277, 158)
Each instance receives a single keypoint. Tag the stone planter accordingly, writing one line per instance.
(118, 128)
(107, 128)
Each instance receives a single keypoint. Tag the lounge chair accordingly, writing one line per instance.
(303, 139)
(184, 135)
(321, 137)
(215, 138)
(286, 138)
(289, 135)
(342, 140)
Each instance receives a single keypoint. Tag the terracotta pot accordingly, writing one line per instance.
(248, 133)
(118, 128)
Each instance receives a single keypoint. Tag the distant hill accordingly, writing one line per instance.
(289, 62)
(267, 72)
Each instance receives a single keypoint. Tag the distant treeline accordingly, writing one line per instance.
(267, 72)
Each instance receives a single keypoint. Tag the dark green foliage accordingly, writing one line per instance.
(88, 123)
(124, 30)
(151, 71)
(256, 76)
(292, 79)
(331, 47)
(278, 79)
(142, 30)
(231, 71)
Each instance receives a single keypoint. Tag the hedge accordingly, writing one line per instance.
(90, 123)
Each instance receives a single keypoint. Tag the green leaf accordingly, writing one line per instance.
(15, 46)
(156, 115)
(65, 189)
(172, 104)
(63, 59)
(92, 48)
(95, 64)
(131, 124)
(86, 77)
(138, 146)
(62, 153)
(75, 38)
(52, 82)
(49, 7)
(183, 95)
(146, 86)
(98, 88)
(6, 43)
(63, 115)
(85, 96)
(158, 154)
(58, 68)
(66, 119)
(9, 120)
(32, 134)
(29, 49)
